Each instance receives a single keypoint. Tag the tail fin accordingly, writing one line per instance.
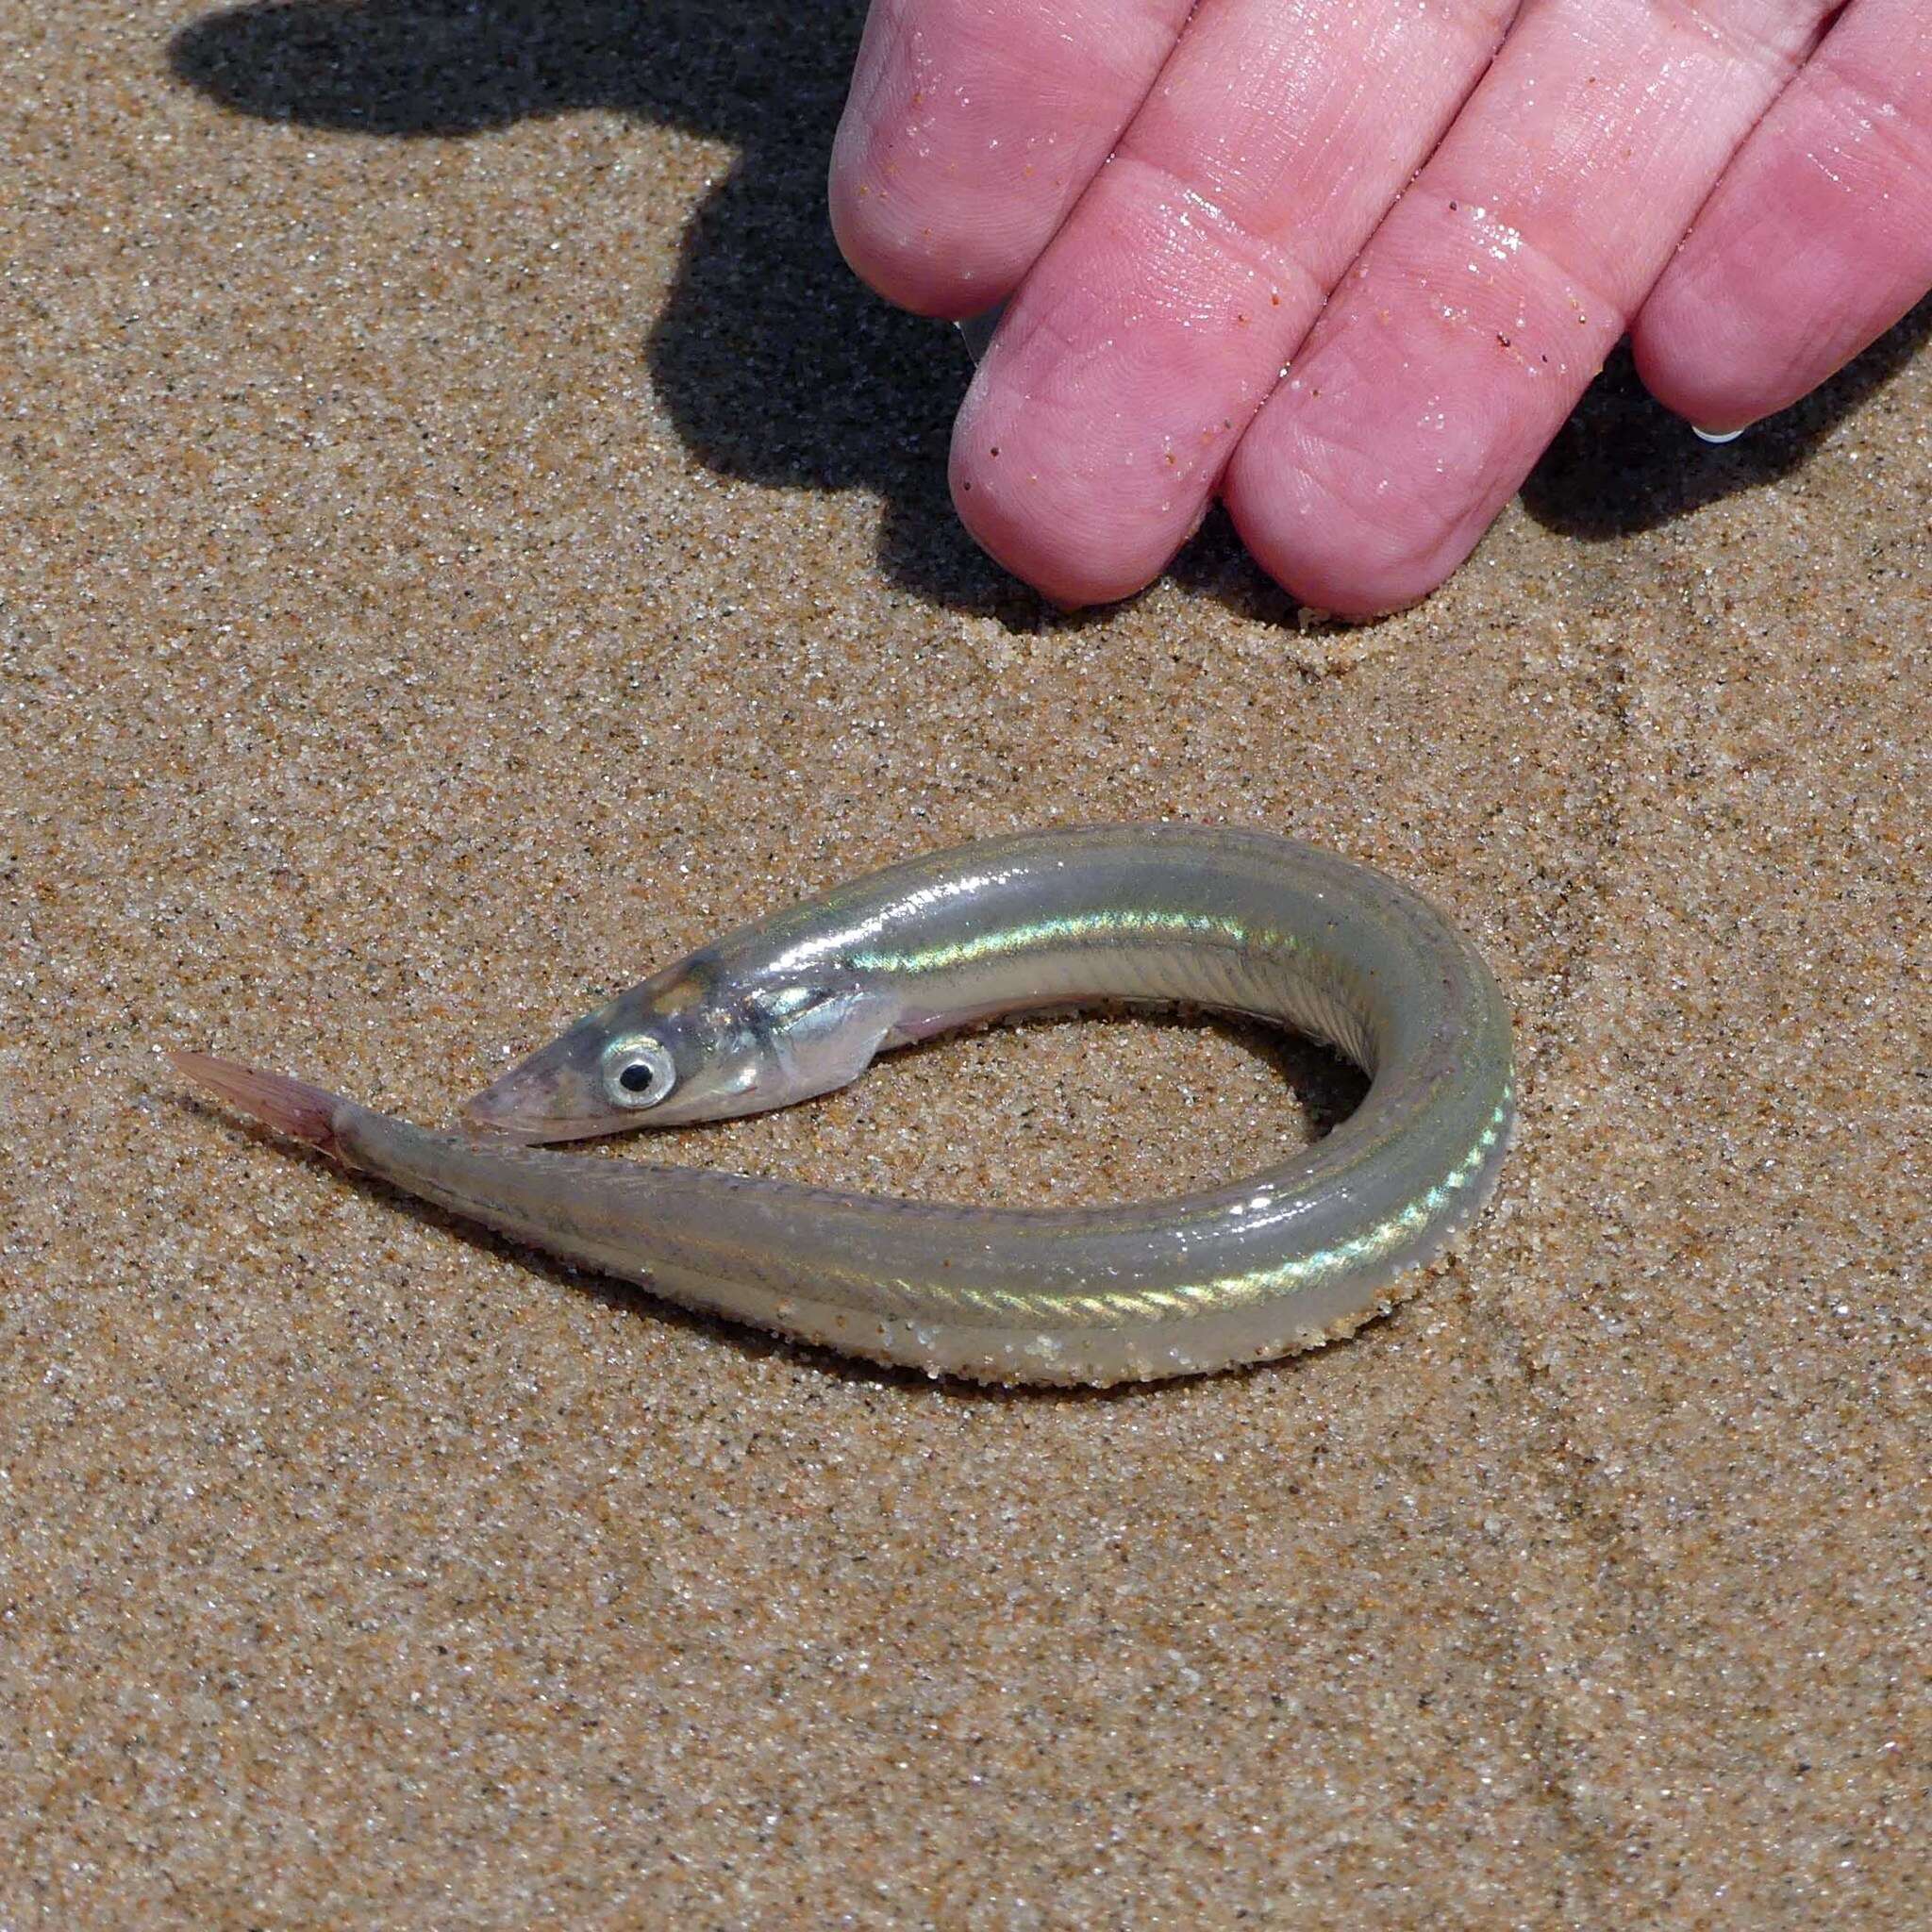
(290, 1107)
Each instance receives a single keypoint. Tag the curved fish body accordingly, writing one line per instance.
(1242, 921)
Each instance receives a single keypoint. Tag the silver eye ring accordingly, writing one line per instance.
(638, 1072)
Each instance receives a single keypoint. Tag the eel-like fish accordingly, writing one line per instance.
(796, 1005)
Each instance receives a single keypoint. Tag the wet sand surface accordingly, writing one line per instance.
(468, 541)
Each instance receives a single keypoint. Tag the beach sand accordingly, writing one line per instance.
(467, 540)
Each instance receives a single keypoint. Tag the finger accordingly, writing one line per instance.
(1138, 348)
(1491, 295)
(1819, 237)
(971, 128)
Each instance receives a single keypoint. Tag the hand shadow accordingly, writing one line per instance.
(1623, 464)
(776, 364)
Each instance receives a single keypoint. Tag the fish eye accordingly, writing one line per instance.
(638, 1072)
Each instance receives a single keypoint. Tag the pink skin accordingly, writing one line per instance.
(972, 127)
(1818, 239)
(1176, 211)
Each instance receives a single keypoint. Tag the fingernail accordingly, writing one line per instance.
(1711, 435)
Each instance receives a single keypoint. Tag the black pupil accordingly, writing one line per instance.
(634, 1078)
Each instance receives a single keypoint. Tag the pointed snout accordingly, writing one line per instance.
(545, 1097)
(504, 1107)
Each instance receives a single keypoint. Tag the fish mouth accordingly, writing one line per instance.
(488, 1118)
(481, 1125)
(522, 1104)
(502, 1117)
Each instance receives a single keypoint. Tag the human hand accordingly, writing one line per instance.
(1168, 196)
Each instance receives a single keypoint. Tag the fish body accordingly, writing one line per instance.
(1237, 921)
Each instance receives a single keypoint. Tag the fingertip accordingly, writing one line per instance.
(1350, 587)
(1017, 529)
(971, 130)
(1320, 548)
(1814, 243)
(925, 237)
(916, 263)
(1049, 493)
(1049, 535)
(1701, 360)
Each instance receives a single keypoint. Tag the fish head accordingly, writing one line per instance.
(699, 1042)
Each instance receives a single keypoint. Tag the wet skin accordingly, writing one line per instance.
(1350, 263)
